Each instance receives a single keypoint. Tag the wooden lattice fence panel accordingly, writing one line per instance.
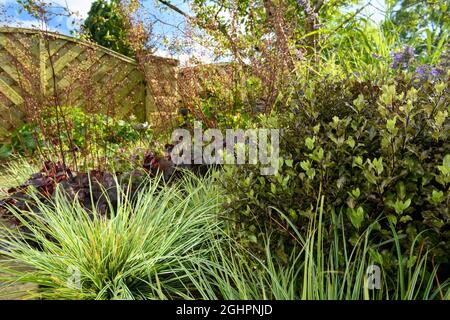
(32, 63)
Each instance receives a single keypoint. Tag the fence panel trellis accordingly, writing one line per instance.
(33, 63)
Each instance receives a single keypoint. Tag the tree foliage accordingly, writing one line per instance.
(418, 19)
(105, 25)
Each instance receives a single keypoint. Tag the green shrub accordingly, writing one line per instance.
(373, 150)
(20, 141)
(88, 133)
(95, 130)
(315, 274)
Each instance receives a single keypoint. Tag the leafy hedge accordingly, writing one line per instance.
(375, 151)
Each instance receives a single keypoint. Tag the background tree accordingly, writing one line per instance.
(105, 25)
(418, 19)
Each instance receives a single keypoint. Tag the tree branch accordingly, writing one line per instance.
(213, 27)
(175, 8)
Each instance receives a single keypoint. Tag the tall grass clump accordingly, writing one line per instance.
(146, 248)
(312, 272)
(16, 171)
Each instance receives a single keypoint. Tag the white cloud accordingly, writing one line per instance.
(80, 7)
(193, 53)
(183, 58)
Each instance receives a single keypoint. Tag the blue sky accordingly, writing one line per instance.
(81, 8)
(12, 17)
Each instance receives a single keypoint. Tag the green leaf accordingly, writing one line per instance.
(311, 173)
(319, 154)
(437, 197)
(316, 128)
(359, 102)
(358, 161)
(306, 165)
(392, 219)
(356, 216)
(336, 119)
(310, 142)
(390, 124)
(401, 206)
(5, 151)
(355, 193)
(405, 219)
(401, 190)
(445, 168)
(293, 214)
(377, 164)
(288, 162)
(252, 238)
(370, 177)
(273, 188)
(440, 87)
(440, 117)
(351, 142)
(388, 95)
